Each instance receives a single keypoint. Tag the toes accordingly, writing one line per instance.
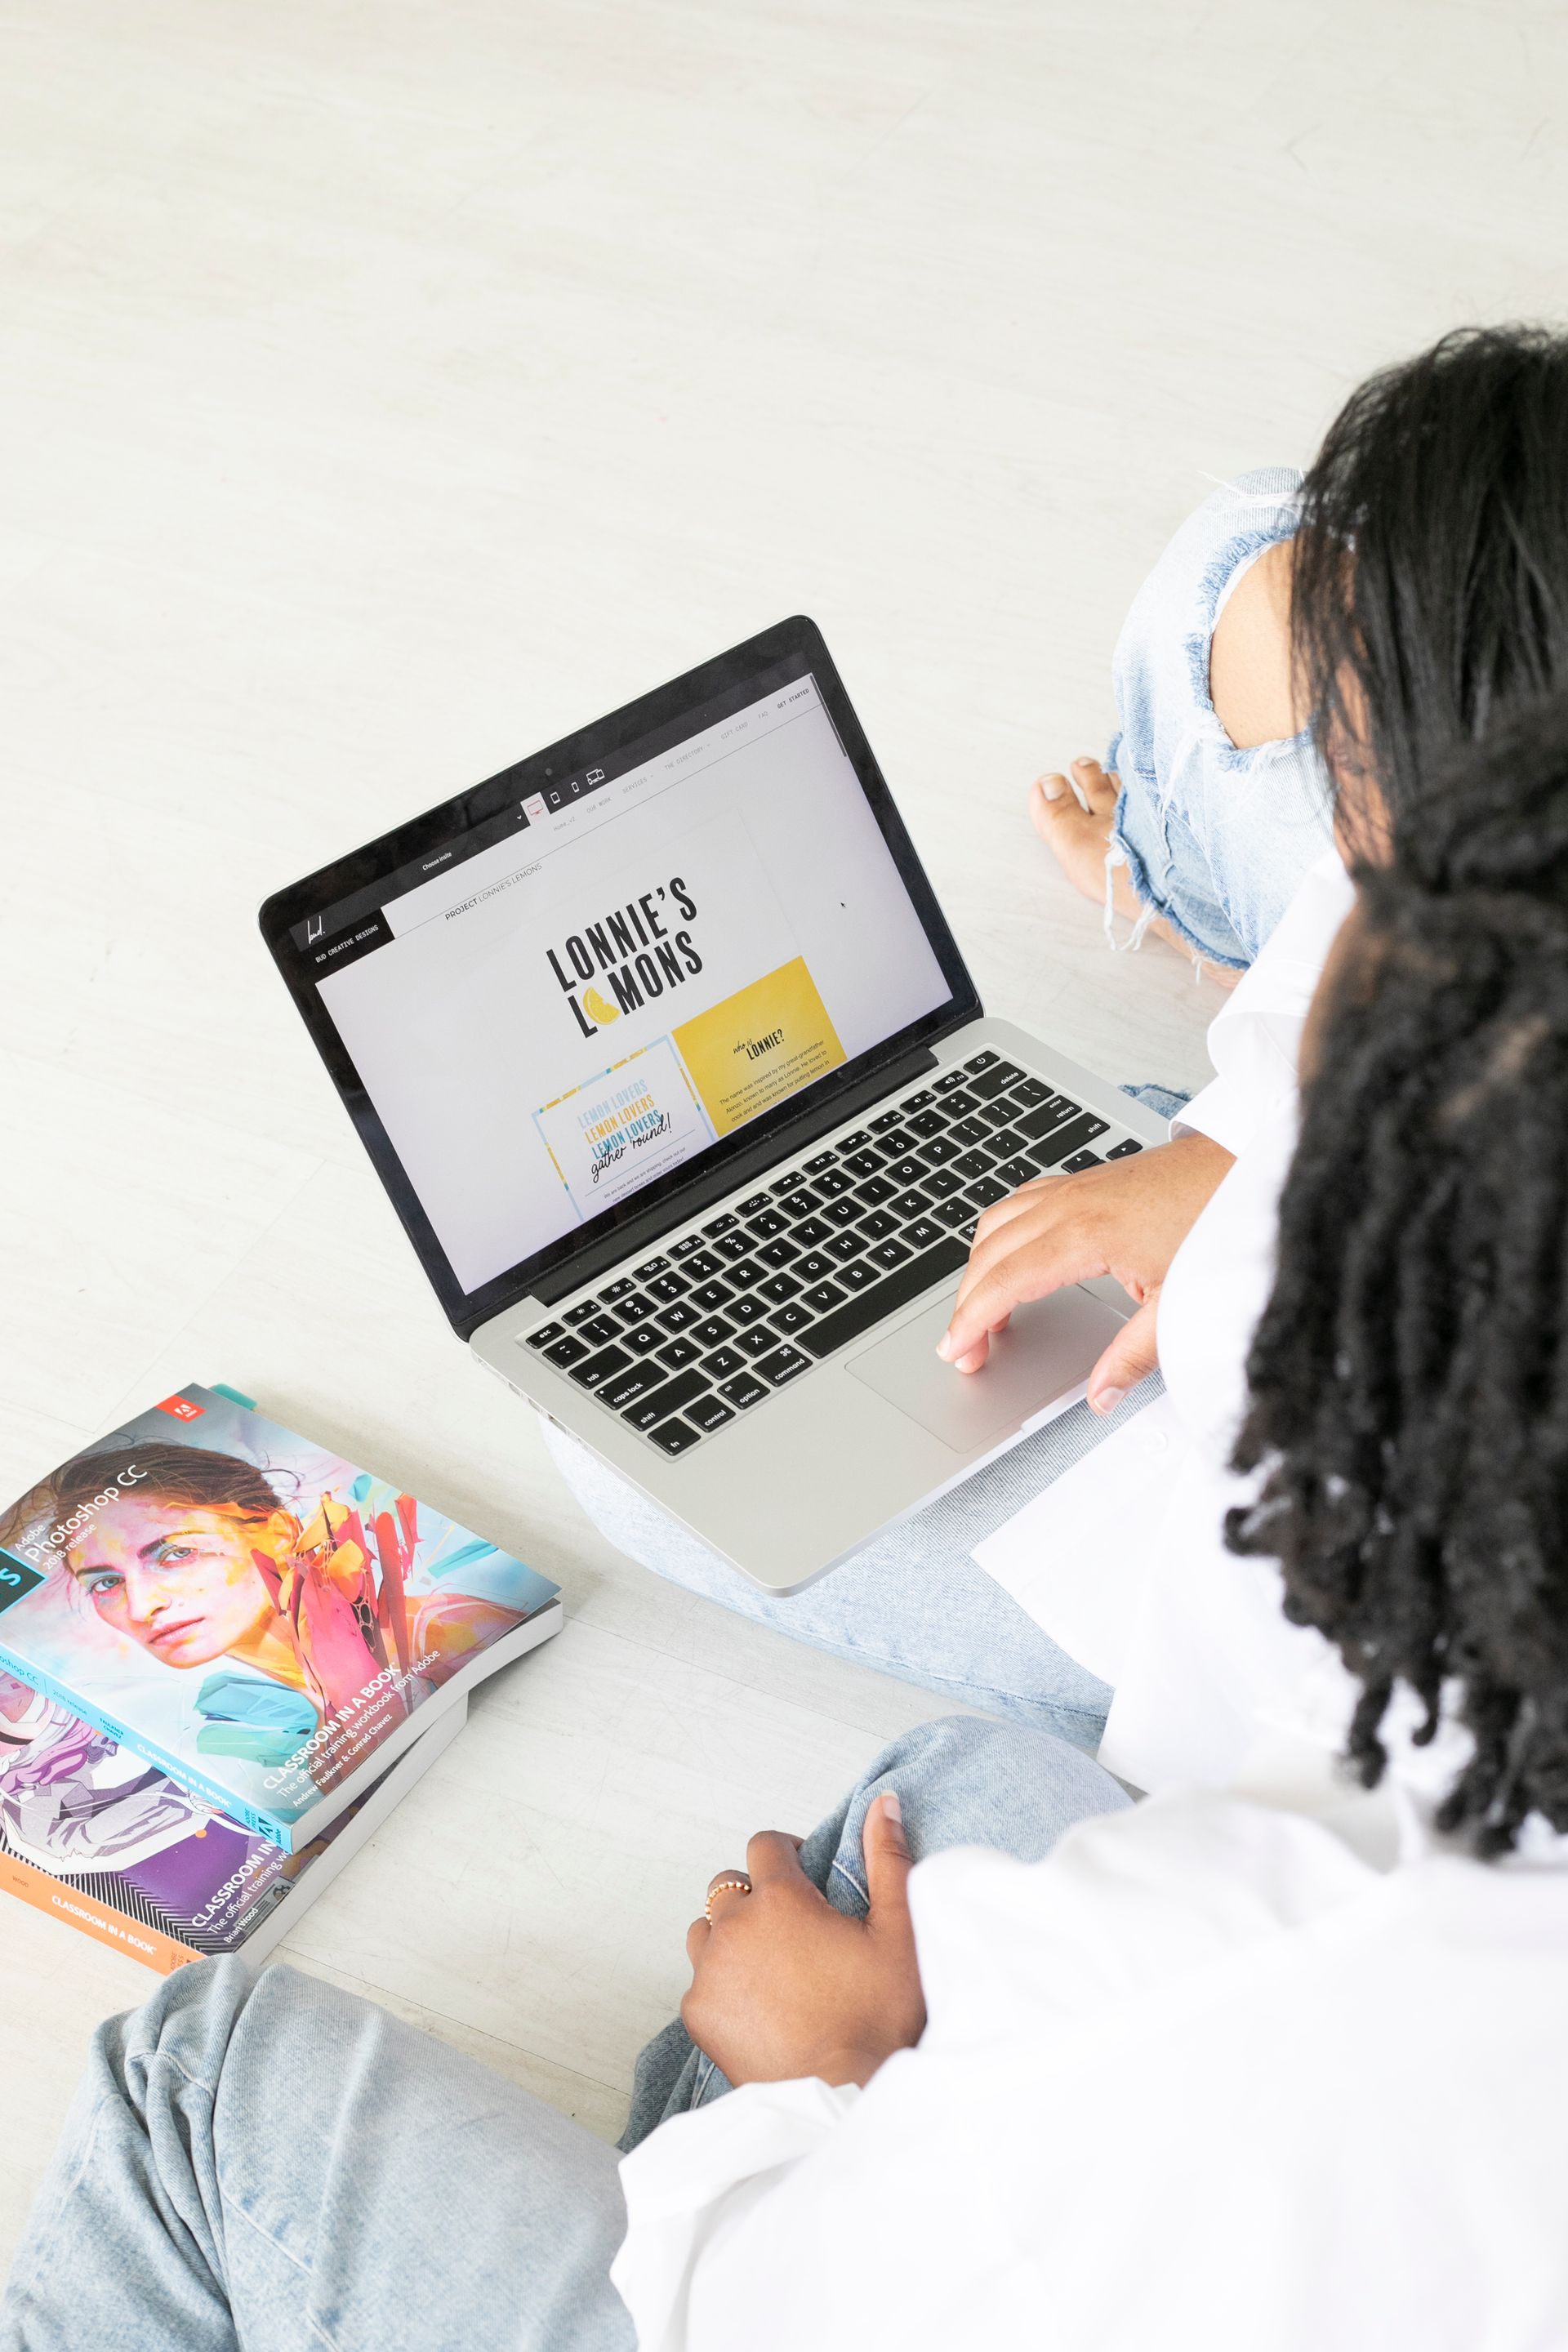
(1052, 804)
(1096, 787)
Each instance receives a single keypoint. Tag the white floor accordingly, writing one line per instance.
(385, 391)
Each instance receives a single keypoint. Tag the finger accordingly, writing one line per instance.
(986, 1253)
(1017, 1204)
(725, 1889)
(1055, 1225)
(1131, 1356)
(771, 1855)
(1022, 1274)
(973, 1354)
(888, 1861)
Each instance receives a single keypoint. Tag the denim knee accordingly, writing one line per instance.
(189, 2021)
(966, 1779)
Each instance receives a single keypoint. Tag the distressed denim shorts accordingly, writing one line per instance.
(1216, 839)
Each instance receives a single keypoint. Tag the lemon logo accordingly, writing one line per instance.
(602, 1012)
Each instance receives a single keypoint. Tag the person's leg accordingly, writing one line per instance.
(1119, 844)
(960, 1781)
(912, 1602)
(268, 2162)
(1210, 835)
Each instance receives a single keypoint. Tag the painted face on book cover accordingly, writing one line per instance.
(179, 1577)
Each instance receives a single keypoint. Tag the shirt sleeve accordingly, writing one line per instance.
(1255, 1042)
(694, 2181)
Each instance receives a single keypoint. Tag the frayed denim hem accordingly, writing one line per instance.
(1158, 908)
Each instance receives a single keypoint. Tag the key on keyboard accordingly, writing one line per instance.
(675, 1437)
(1071, 1138)
(670, 1396)
(709, 1414)
(857, 1315)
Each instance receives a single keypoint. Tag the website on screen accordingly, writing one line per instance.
(640, 965)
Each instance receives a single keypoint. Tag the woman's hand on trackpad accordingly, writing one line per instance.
(1127, 1219)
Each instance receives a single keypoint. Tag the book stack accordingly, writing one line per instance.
(226, 1653)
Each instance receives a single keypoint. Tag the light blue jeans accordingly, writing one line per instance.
(1216, 839)
(270, 2163)
(912, 1602)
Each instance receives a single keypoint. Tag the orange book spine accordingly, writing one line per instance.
(57, 1895)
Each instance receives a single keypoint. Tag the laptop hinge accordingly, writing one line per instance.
(641, 1233)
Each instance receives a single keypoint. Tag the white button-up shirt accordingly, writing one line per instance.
(1251, 2068)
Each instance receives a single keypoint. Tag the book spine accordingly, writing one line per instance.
(63, 1901)
(211, 1793)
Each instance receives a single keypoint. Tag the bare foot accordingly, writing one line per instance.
(1073, 817)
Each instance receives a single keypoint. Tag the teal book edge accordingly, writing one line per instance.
(224, 1800)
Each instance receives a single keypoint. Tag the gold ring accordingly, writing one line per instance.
(739, 1885)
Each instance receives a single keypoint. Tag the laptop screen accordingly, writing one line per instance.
(622, 968)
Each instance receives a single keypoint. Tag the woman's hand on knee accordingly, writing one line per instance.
(784, 1985)
(1127, 1219)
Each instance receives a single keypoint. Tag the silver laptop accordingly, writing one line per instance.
(665, 1053)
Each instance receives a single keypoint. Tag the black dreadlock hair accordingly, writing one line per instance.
(1430, 578)
(1409, 1378)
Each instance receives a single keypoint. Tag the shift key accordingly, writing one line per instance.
(657, 1402)
(1056, 1147)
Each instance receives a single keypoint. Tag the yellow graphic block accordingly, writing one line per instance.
(759, 1045)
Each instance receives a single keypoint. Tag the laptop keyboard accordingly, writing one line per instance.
(693, 1339)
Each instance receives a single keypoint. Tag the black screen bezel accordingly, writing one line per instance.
(797, 638)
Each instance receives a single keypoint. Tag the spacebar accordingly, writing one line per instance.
(883, 1298)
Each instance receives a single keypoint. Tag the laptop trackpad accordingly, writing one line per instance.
(1049, 1349)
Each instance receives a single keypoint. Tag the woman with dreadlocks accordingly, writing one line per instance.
(1408, 1412)
(1271, 2067)
(1273, 699)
